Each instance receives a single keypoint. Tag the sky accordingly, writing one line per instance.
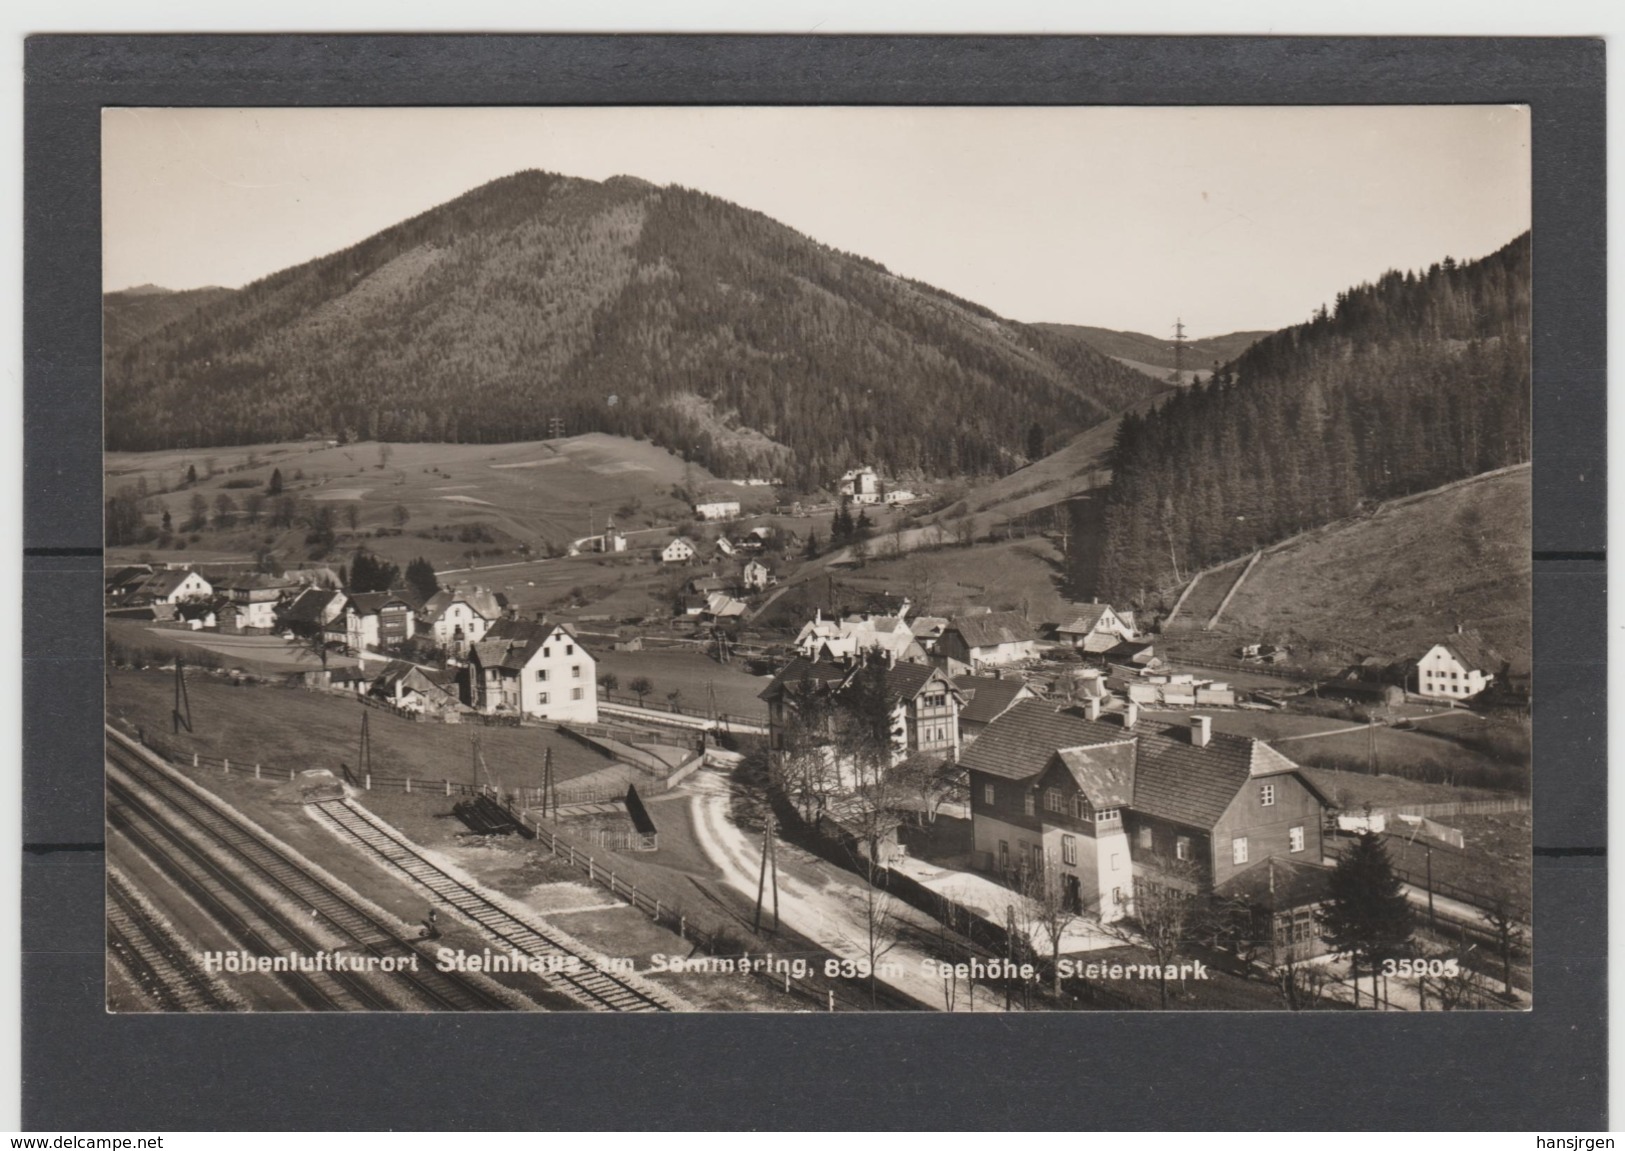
(1228, 218)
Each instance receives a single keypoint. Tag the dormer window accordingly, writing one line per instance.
(1109, 815)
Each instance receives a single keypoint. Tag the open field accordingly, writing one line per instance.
(689, 672)
(1010, 575)
(293, 728)
(1298, 737)
(537, 494)
(1415, 568)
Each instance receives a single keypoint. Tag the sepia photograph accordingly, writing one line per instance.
(817, 559)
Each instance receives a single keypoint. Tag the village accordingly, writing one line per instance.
(1045, 791)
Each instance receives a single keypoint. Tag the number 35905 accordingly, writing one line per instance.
(1420, 967)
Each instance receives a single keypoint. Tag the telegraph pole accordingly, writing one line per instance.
(364, 755)
(549, 792)
(770, 860)
(181, 716)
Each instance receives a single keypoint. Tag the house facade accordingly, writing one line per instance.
(861, 486)
(455, 618)
(717, 510)
(990, 640)
(757, 576)
(533, 668)
(679, 551)
(171, 587)
(922, 702)
(1117, 804)
(1095, 628)
(1458, 668)
(853, 636)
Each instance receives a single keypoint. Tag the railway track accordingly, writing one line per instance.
(581, 980)
(154, 958)
(193, 842)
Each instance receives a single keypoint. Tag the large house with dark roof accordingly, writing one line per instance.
(988, 640)
(533, 668)
(1116, 802)
(924, 703)
(986, 698)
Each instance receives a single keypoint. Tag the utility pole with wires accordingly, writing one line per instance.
(770, 860)
(181, 716)
(364, 754)
(550, 793)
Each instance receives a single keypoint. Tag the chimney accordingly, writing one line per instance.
(1091, 707)
(1131, 715)
(1201, 730)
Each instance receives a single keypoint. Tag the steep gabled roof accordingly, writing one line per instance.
(1173, 778)
(986, 698)
(1103, 772)
(1085, 618)
(1472, 652)
(167, 582)
(310, 605)
(993, 629)
(512, 643)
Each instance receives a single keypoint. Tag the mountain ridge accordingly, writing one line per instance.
(539, 297)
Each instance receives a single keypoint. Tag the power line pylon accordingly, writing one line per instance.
(1179, 350)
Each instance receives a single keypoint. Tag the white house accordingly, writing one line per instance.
(679, 551)
(458, 618)
(1095, 628)
(175, 587)
(533, 668)
(987, 640)
(757, 576)
(838, 639)
(1460, 667)
(718, 510)
(861, 485)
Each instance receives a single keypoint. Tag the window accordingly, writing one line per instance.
(1108, 815)
(1028, 805)
(1146, 842)
(1054, 800)
(575, 693)
(1004, 855)
(1238, 850)
(1182, 847)
(1266, 794)
(1069, 850)
(541, 675)
(575, 671)
(569, 649)
(988, 794)
(541, 697)
(1080, 807)
(1295, 838)
(936, 699)
(547, 653)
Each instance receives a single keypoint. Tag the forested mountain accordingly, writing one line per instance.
(1155, 352)
(1409, 383)
(129, 315)
(618, 307)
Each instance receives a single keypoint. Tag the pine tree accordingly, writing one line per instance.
(421, 579)
(273, 486)
(1367, 916)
